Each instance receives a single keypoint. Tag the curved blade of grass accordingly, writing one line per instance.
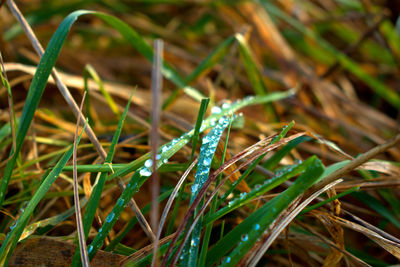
(13, 236)
(207, 150)
(283, 220)
(95, 196)
(245, 234)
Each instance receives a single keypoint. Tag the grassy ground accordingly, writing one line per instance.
(213, 132)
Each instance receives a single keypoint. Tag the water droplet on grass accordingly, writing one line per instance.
(207, 161)
(145, 172)
(215, 110)
(244, 237)
(148, 163)
(110, 217)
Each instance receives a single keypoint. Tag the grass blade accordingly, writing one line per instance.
(246, 233)
(95, 196)
(207, 150)
(81, 234)
(13, 236)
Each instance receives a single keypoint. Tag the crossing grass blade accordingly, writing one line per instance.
(244, 236)
(95, 196)
(17, 229)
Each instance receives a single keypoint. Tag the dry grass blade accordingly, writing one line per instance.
(172, 197)
(331, 244)
(81, 235)
(156, 87)
(138, 255)
(385, 240)
(358, 161)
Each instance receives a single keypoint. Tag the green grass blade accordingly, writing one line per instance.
(92, 72)
(209, 227)
(243, 237)
(13, 236)
(200, 117)
(253, 73)
(259, 190)
(207, 150)
(94, 198)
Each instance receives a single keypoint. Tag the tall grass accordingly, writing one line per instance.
(249, 183)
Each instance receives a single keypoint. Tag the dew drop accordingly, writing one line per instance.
(164, 149)
(207, 161)
(13, 225)
(207, 139)
(213, 121)
(164, 160)
(222, 120)
(158, 156)
(148, 163)
(195, 187)
(298, 161)
(110, 217)
(145, 172)
(244, 237)
(257, 186)
(120, 202)
(174, 141)
(215, 110)
(228, 259)
(226, 106)
(90, 248)
(256, 226)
